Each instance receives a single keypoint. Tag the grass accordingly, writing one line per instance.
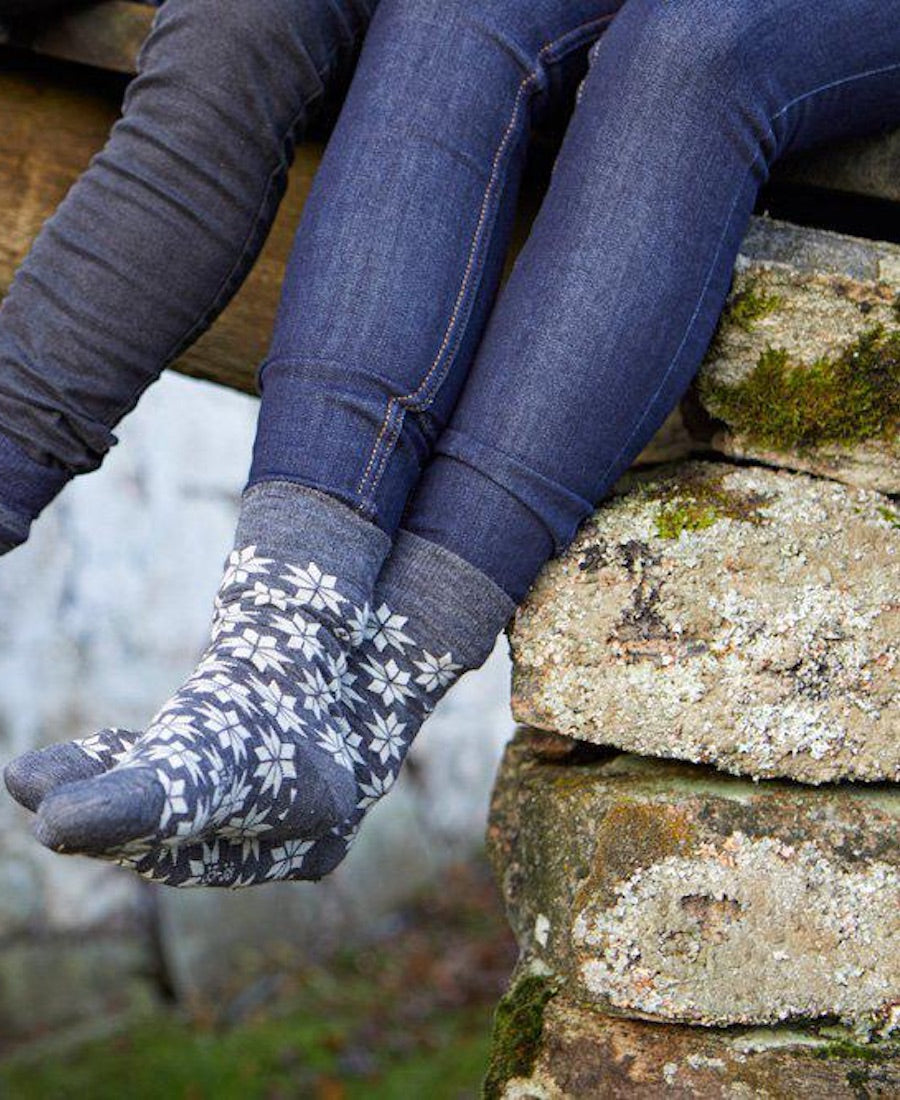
(299, 1055)
(405, 1017)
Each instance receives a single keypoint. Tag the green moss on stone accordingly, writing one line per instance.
(518, 1027)
(847, 1049)
(693, 503)
(845, 399)
(749, 305)
(685, 516)
(890, 515)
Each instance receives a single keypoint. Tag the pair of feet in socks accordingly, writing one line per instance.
(297, 718)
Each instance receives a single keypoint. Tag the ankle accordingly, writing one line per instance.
(297, 524)
(26, 488)
(446, 599)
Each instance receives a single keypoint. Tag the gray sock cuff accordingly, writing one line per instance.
(297, 524)
(449, 599)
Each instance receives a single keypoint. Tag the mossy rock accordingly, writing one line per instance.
(518, 1029)
(585, 1053)
(804, 369)
(738, 616)
(671, 893)
(845, 399)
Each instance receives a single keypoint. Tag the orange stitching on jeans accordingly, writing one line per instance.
(449, 333)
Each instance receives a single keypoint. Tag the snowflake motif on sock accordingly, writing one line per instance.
(333, 741)
(301, 634)
(386, 740)
(251, 717)
(386, 629)
(107, 748)
(315, 588)
(371, 738)
(388, 680)
(238, 750)
(436, 672)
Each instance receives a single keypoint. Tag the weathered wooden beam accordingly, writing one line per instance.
(107, 35)
(48, 134)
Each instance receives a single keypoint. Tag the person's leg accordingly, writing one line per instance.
(615, 297)
(399, 252)
(618, 288)
(153, 240)
(396, 262)
(600, 329)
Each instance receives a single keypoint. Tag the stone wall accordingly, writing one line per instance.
(696, 829)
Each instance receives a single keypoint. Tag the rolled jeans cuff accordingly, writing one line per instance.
(26, 488)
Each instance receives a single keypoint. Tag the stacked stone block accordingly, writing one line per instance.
(696, 829)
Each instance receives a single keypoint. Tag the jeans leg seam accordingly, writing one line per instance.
(833, 84)
(393, 417)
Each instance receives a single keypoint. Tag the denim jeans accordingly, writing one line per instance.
(155, 238)
(397, 380)
(389, 370)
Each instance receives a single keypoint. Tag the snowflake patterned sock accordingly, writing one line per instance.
(435, 616)
(251, 744)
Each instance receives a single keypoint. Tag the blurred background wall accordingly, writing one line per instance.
(103, 614)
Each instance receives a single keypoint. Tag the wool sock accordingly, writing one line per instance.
(435, 617)
(251, 744)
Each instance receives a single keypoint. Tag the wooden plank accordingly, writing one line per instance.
(106, 35)
(36, 172)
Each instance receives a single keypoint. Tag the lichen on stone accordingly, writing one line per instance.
(518, 1027)
(678, 925)
(843, 399)
(765, 644)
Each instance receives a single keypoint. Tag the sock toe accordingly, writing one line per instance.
(96, 816)
(31, 777)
